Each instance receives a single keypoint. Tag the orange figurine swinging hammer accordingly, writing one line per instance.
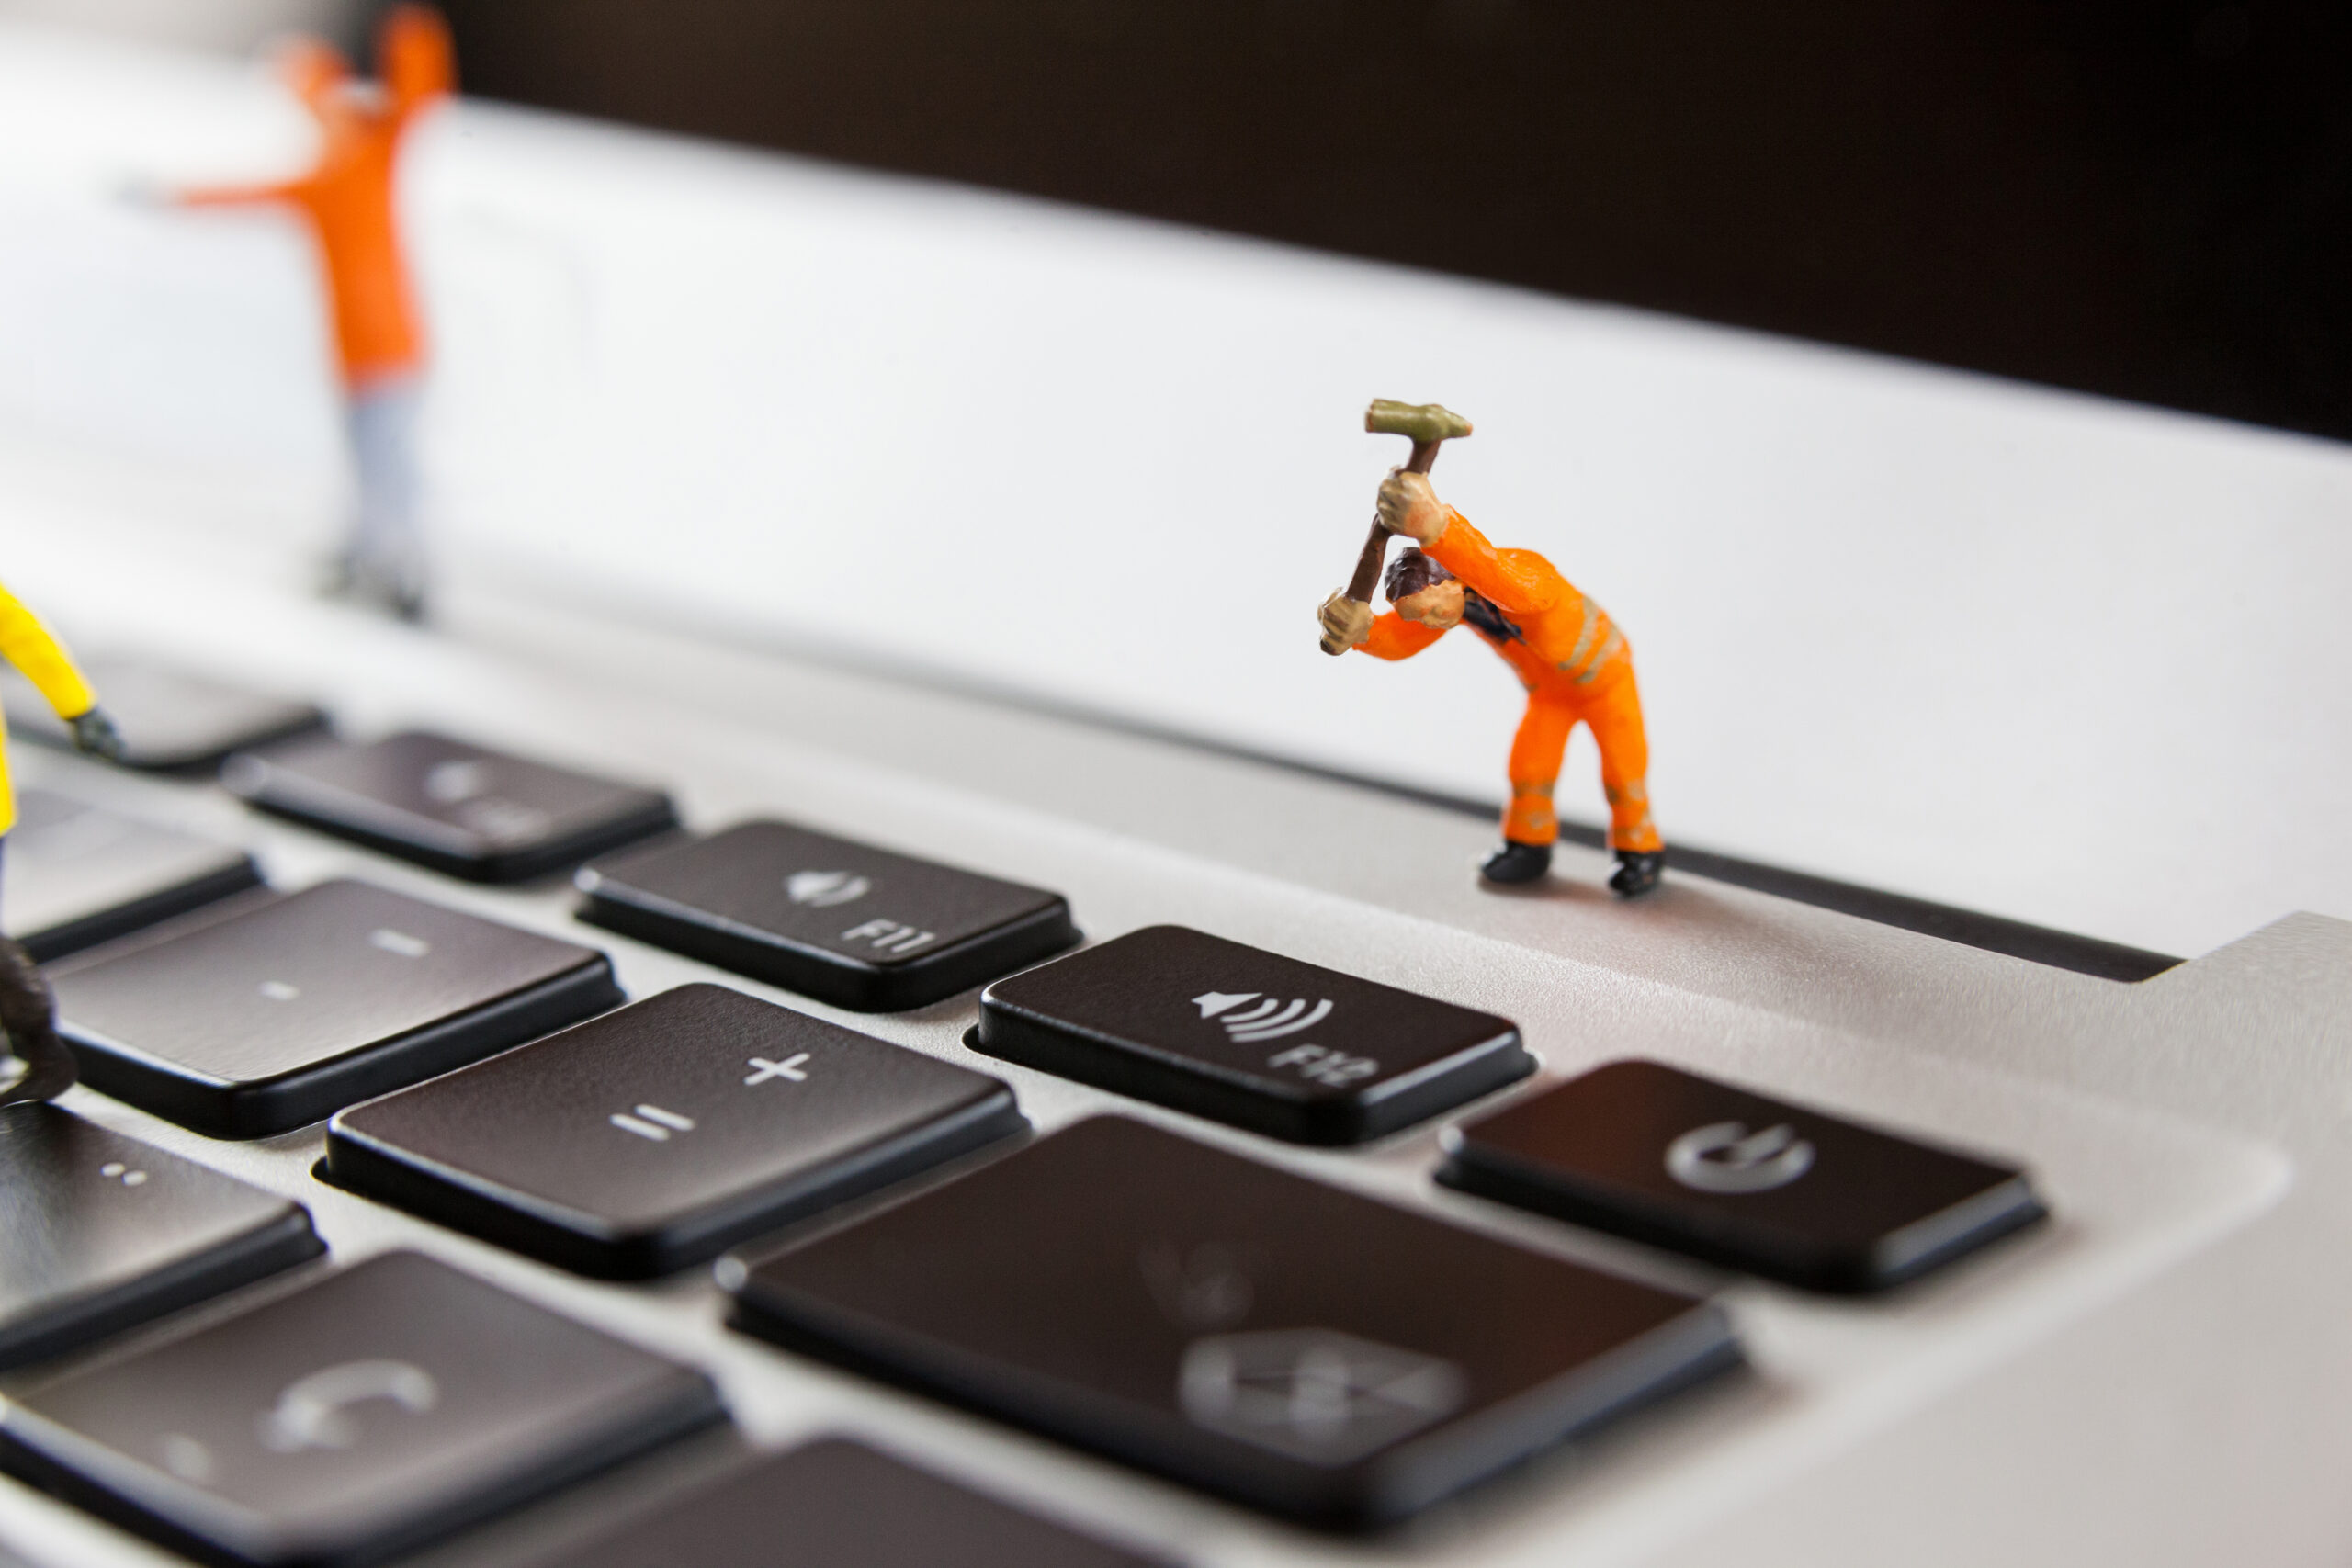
(1567, 652)
(346, 199)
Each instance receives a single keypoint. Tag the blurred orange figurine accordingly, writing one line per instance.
(1563, 647)
(347, 201)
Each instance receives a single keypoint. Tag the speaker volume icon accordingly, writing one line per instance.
(1269, 1019)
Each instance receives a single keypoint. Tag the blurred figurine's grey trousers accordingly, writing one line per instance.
(44, 1068)
(383, 563)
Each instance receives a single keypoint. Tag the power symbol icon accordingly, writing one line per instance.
(1724, 1156)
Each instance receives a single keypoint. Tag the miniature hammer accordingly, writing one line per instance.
(1425, 424)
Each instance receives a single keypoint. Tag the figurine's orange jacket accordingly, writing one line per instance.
(27, 645)
(1566, 641)
(346, 198)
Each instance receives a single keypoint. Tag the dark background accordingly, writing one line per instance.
(2146, 201)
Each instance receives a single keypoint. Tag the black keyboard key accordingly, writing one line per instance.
(99, 1232)
(78, 877)
(1232, 1325)
(382, 1406)
(660, 1135)
(841, 922)
(171, 721)
(456, 808)
(292, 1006)
(1663, 1155)
(1242, 1035)
(841, 1505)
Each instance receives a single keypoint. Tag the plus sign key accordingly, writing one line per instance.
(1669, 1158)
(1242, 1035)
(661, 1134)
(841, 921)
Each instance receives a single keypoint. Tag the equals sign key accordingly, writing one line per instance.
(741, 1116)
(653, 1121)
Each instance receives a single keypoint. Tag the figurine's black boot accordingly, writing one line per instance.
(1637, 872)
(29, 1014)
(1516, 861)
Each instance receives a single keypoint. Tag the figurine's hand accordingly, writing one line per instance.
(1346, 622)
(95, 733)
(1409, 506)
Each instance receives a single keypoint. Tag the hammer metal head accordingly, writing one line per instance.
(1421, 423)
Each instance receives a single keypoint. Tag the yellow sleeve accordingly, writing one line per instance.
(1517, 583)
(27, 645)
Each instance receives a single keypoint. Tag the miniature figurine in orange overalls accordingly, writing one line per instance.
(1565, 651)
(27, 1013)
(347, 201)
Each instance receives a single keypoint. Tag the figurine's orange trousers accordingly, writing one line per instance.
(1613, 713)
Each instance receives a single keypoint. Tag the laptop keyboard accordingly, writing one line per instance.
(1207, 1325)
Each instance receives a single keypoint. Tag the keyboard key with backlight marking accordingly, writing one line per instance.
(456, 808)
(291, 1007)
(99, 1232)
(1194, 1022)
(1230, 1325)
(655, 1137)
(1666, 1156)
(361, 1416)
(170, 720)
(841, 921)
(78, 877)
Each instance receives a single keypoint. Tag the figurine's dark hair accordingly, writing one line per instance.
(1411, 572)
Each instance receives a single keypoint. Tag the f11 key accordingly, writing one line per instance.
(1242, 1035)
(1666, 1157)
(841, 921)
(455, 807)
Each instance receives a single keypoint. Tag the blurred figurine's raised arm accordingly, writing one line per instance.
(346, 199)
(27, 1014)
(1567, 652)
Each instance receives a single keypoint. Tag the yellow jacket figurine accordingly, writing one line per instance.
(27, 1013)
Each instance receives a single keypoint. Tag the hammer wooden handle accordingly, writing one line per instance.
(1375, 548)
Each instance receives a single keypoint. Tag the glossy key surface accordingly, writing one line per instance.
(1652, 1152)
(1243, 1035)
(383, 1405)
(838, 1504)
(844, 922)
(1230, 1325)
(77, 876)
(99, 1232)
(457, 807)
(293, 1007)
(657, 1135)
(170, 719)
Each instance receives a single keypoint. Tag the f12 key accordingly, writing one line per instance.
(1242, 1035)
(455, 807)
